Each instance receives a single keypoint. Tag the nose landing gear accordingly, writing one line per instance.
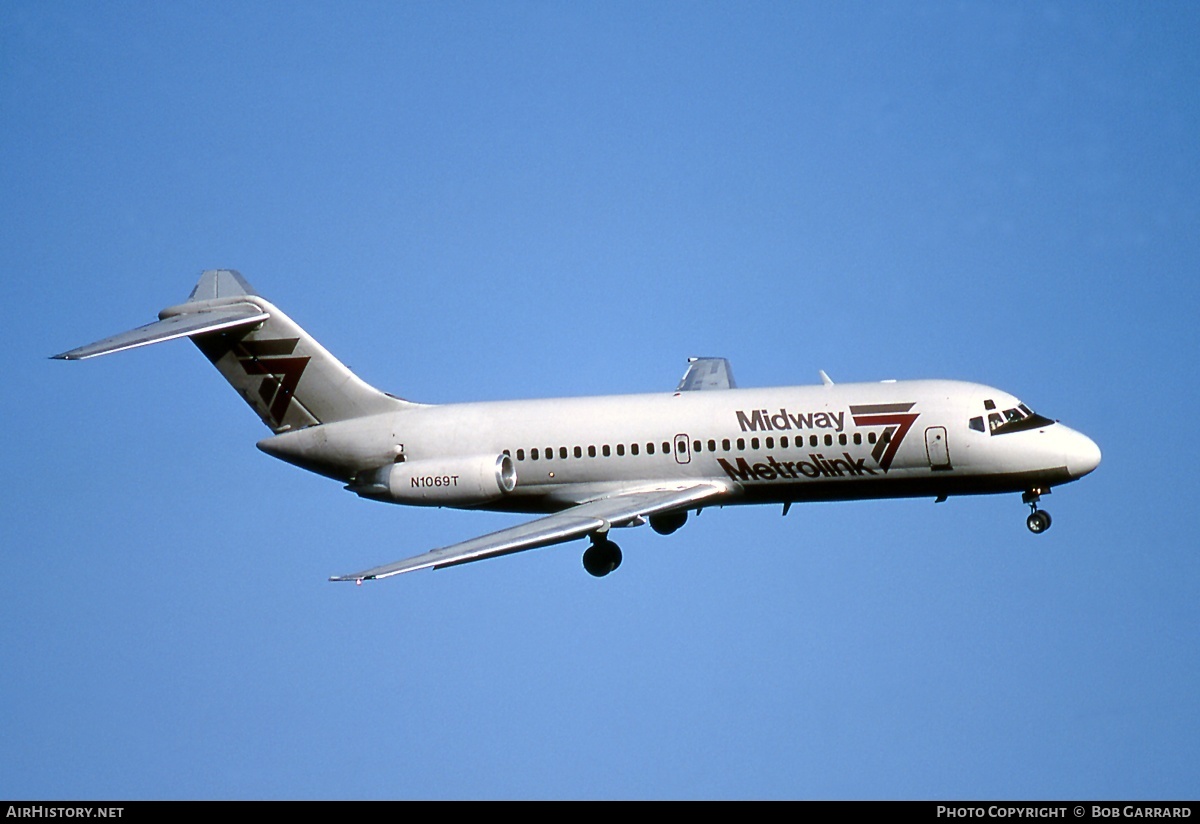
(1039, 519)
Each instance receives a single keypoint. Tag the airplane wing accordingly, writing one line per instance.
(707, 373)
(623, 509)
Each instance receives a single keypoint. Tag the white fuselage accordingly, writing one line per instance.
(827, 442)
(591, 464)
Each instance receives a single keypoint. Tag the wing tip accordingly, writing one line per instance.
(356, 577)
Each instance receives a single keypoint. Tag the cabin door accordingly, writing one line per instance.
(936, 448)
(683, 452)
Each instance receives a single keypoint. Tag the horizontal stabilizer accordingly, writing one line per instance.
(178, 326)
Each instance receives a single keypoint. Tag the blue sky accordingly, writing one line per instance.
(482, 200)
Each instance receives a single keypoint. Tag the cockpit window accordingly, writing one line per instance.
(1017, 419)
(977, 424)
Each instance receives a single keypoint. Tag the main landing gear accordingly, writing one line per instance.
(1039, 519)
(602, 557)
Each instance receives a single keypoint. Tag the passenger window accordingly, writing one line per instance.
(620, 450)
(633, 449)
(549, 453)
(770, 443)
(607, 452)
(562, 452)
(666, 448)
(696, 446)
(754, 443)
(533, 454)
(870, 437)
(520, 454)
(725, 444)
(829, 440)
(578, 452)
(857, 438)
(741, 444)
(592, 451)
(712, 445)
(812, 440)
(650, 449)
(783, 442)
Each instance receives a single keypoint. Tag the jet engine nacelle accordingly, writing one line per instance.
(471, 481)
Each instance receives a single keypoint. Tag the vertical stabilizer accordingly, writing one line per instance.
(288, 378)
(220, 283)
(281, 371)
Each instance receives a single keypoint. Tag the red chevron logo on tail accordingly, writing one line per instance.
(281, 373)
(272, 359)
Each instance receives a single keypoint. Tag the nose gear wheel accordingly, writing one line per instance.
(1039, 519)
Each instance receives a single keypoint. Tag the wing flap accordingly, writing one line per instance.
(583, 519)
(177, 326)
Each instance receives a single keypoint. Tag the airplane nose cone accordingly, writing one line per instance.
(1083, 455)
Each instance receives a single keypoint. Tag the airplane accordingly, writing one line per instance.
(587, 465)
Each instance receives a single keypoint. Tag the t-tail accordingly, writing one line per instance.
(288, 378)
